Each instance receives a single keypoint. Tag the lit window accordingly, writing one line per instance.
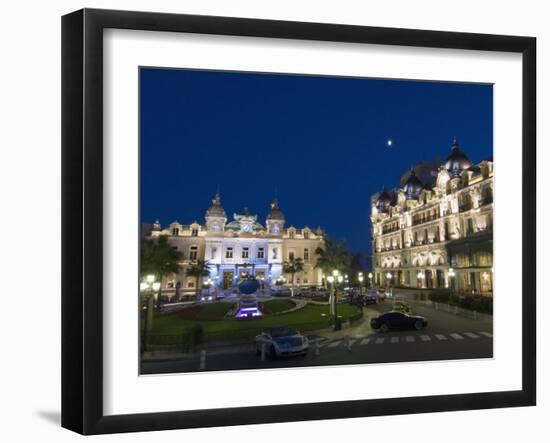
(190, 284)
(260, 252)
(245, 252)
(229, 253)
(193, 253)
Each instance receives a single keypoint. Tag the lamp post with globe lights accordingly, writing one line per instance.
(149, 289)
(208, 284)
(388, 279)
(360, 278)
(370, 279)
(333, 279)
(452, 280)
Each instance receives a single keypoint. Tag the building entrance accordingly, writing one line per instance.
(227, 279)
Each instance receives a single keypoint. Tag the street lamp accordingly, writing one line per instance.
(335, 277)
(388, 279)
(148, 288)
(370, 279)
(208, 283)
(451, 276)
(360, 278)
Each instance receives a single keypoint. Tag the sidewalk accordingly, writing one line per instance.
(359, 328)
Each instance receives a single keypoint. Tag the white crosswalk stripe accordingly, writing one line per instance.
(402, 339)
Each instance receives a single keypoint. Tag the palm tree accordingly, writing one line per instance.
(198, 270)
(333, 256)
(293, 266)
(160, 259)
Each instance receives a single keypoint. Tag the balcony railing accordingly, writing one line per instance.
(386, 230)
(419, 221)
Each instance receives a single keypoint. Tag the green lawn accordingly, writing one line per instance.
(274, 306)
(177, 326)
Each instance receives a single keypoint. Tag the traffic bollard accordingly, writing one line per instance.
(317, 348)
(348, 344)
(263, 351)
(203, 359)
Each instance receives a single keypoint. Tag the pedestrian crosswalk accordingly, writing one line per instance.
(348, 342)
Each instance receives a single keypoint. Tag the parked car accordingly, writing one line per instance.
(281, 341)
(371, 296)
(398, 320)
(281, 292)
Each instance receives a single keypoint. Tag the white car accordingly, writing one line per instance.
(279, 341)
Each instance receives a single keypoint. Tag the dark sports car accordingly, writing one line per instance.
(398, 320)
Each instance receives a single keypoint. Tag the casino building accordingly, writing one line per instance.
(241, 247)
(436, 229)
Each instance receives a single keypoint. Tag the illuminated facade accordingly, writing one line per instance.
(436, 229)
(241, 247)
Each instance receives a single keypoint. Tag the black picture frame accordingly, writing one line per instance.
(82, 218)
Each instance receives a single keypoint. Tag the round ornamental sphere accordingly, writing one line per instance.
(249, 286)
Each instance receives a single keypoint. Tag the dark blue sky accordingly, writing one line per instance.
(319, 142)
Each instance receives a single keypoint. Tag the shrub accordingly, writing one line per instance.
(440, 295)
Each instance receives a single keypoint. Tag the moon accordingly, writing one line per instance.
(389, 143)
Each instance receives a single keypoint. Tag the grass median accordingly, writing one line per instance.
(177, 327)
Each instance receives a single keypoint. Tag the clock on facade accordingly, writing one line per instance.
(275, 229)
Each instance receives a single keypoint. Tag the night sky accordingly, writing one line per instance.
(319, 143)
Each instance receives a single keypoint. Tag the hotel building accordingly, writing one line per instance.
(436, 229)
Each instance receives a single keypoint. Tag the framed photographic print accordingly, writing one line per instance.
(269, 221)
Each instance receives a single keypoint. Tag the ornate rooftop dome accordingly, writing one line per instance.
(275, 212)
(216, 208)
(457, 161)
(413, 187)
(384, 200)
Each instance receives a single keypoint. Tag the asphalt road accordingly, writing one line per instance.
(447, 337)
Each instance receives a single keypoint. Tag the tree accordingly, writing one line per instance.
(355, 267)
(293, 266)
(158, 258)
(333, 255)
(198, 270)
